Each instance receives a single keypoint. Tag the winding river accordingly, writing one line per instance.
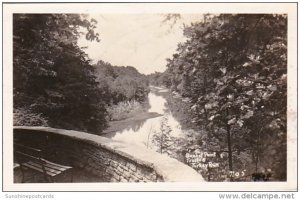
(142, 133)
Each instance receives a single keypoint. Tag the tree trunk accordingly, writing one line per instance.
(161, 143)
(257, 151)
(229, 150)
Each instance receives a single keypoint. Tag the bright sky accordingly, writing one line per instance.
(138, 40)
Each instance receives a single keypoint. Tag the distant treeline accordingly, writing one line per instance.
(54, 83)
(121, 83)
(126, 90)
(160, 79)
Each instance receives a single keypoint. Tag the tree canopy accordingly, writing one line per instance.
(121, 83)
(53, 78)
(233, 68)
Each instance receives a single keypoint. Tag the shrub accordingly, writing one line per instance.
(125, 109)
(24, 117)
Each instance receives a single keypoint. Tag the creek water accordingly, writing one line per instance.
(141, 133)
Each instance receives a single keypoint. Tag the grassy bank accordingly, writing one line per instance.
(126, 109)
(127, 114)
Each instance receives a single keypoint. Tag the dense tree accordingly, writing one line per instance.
(163, 139)
(233, 68)
(121, 83)
(52, 76)
(159, 79)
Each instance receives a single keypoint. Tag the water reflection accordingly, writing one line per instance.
(157, 103)
(134, 127)
(142, 136)
(141, 133)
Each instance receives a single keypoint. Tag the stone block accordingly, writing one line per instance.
(106, 154)
(120, 169)
(114, 164)
(102, 162)
(101, 157)
(131, 180)
(86, 151)
(131, 166)
(126, 174)
(137, 176)
(99, 154)
(125, 168)
(122, 161)
(114, 180)
(110, 171)
(153, 177)
(148, 175)
(116, 176)
(123, 180)
(106, 162)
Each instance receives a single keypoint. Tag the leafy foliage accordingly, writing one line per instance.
(121, 83)
(23, 117)
(159, 79)
(125, 109)
(52, 75)
(233, 69)
(163, 138)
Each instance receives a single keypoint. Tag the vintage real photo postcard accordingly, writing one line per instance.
(150, 96)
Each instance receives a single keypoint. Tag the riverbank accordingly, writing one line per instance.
(177, 105)
(116, 126)
(138, 118)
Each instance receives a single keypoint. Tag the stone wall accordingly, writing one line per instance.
(111, 166)
(112, 160)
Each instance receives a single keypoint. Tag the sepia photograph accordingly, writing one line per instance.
(172, 96)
